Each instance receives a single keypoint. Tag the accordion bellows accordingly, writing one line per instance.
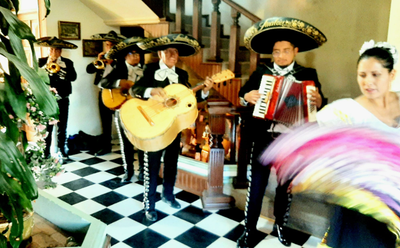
(284, 100)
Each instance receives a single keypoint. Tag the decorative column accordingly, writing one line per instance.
(234, 43)
(213, 197)
(197, 20)
(180, 13)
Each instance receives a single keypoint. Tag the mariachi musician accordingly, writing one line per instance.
(157, 76)
(61, 73)
(126, 72)
(102, 67)
(283, 38)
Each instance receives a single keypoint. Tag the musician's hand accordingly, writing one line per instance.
(158, 93)
(100, 56)
(208, 84)
(315, 97)
(252, 96)
(125, 84)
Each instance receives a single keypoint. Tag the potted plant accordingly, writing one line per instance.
(17, 184)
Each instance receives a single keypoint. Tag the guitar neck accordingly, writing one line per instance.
(217, 78)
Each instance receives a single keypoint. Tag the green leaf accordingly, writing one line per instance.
(16, 100)
(45, 99)
(12, 129)
(22, 30)
(35, 61)
(47, 4)
(16, 44)
(13, 163)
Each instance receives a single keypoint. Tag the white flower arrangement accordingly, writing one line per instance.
(371, 44)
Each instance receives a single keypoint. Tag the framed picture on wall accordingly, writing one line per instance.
(92, 47)
(69, 30)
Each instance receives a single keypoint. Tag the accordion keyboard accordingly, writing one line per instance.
(266, 86)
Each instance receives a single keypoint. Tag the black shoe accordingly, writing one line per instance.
(127, 178)
(172, 203)
(151, 215)
(282, 233)
(246, 241)
(64, 155)
(141, 176)
(103, 151)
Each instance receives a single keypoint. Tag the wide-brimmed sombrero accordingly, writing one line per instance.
(110, 36)
(123, 47)
(262, 36)
(52, 41)
(186, 45)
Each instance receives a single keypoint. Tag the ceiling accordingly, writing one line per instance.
(122, 12)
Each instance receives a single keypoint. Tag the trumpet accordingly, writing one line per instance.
(53, 68)
(100, 63)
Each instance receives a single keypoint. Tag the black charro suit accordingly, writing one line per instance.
(261, 138)
(119, 72)
(63, 85)
(106, 114)
(171, 151)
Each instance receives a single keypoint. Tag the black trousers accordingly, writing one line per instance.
(171, 154)
(106, 117)
(128, 150)
(63, 106)
(258, 184)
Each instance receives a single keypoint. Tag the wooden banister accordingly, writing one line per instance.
(197, 12)
(242, 10)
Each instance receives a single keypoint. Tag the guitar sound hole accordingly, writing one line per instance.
(170, 102)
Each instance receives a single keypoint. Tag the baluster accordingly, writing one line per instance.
(180, 13)
(234, 43)
(215, 33)
(197, 19)
(213, 197)
(254, 60)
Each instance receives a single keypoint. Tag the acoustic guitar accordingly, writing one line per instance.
(114, 98)
(152, 125)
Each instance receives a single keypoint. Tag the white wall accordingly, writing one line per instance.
(84, 113)
(394, 37)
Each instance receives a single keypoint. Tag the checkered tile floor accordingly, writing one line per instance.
(92, 185)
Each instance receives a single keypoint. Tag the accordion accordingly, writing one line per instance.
(284, 100)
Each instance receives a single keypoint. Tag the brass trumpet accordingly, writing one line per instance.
(53, 68)
(100, 63)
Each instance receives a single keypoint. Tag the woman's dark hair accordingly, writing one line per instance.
(383, 55)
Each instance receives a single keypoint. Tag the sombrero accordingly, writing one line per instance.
(110, 36)
(52, 41)
(262, 36)
(186, 45)
(123, 47)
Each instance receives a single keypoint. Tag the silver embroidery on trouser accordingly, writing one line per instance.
(121, 141)
(248, 193)
(286, 216)
(146, 202)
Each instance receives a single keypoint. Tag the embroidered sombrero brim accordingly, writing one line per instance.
(123, 47)
(52, 41)
(262, 36)
(186, 45)
(110, 36)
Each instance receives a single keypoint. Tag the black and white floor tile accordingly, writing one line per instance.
(92, 185)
